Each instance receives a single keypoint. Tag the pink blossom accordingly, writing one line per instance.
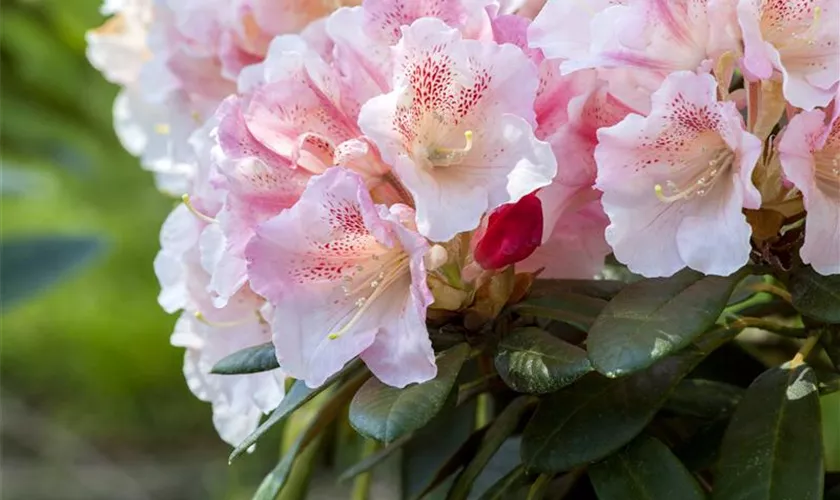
(647, 39)
(569, 111)
(364, 35)
(209, 333)
(346, 279)
(564, 29)
(675, 182)
(810, 155)
(801, 40)
(259, 184)
(458, 127)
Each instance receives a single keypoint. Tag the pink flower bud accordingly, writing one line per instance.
(513, 232)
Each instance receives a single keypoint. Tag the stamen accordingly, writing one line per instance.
(445, 157)
(219, 324)
(383, 280)
(696, 186)
(162, 128)
(809, 34)
(206, 218)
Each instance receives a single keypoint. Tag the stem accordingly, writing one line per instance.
(752, 104)
(809, 344)
(769, 288)
(538, 489)
(770, 326)
(361, 485)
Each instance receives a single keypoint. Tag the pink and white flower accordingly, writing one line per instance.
(801, 40)
(810, 155)
(239, 401)
(458, 127)
(364, 36)
(635, 44)
(346, 279)
(675, 182)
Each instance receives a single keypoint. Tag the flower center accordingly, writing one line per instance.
(445, 157)
(827, 172)
(370, 288)
(700, 184)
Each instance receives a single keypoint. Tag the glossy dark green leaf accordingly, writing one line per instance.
(577, 310)
(772, 449)
(29, 265)
(533, 361)
(705, 399)
(273, 483)
(815, 295)
(652, 318)
(497, 432)
(600, 289)
(596, 416)
(645, 470)
(255, 359)
(296, 397)
(385, 413)
(510, 486)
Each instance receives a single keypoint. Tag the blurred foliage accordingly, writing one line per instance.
(91, 354)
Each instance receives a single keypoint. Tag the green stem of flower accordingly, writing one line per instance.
(773, 289)
(361, 485)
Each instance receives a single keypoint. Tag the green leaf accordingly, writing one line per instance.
(596, 416)
(645, 470)
(577, 310)
(508, 487)
(599, 289)
(650, 319)
(705, 399)
(273, 483)
(772, 449)
(385, 413)
(29, 265)
(258, 358)
(498, 431)
(296, 397)
(533, 361)
(815, 295)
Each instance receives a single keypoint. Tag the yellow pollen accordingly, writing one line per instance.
(444, 157)
(186, 199)
(162, 128)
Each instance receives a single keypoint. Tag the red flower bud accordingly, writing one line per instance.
(513, 232)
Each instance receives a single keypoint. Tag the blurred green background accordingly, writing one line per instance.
(94, 404)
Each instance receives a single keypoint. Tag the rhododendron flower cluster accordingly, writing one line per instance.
(351, 169)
